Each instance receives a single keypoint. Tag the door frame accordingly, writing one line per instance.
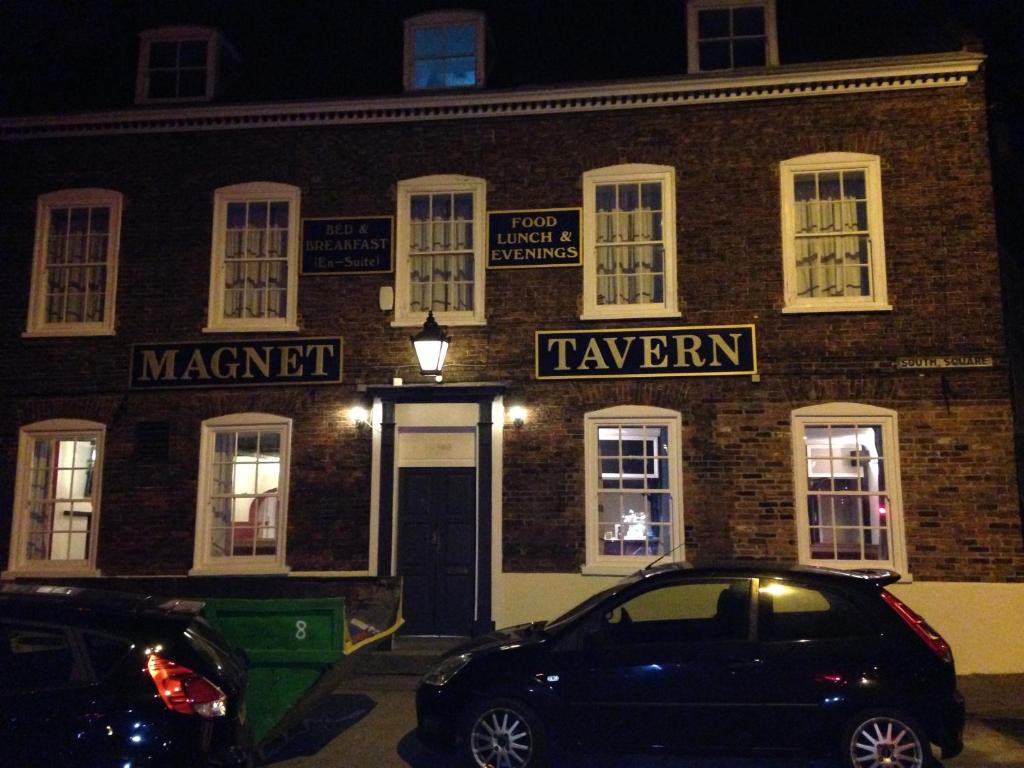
(488, 397)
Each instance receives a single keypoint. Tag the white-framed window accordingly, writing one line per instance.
(634, 487)
(57, 498)
(254, 265)
(441, 241)
(629, 242)
(241, 514)
(727, 34)
(444, 49)
(74, 266)
(849, 504)
(179, 64)
(833, 245)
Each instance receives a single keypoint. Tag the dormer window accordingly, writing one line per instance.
(727, 34)
(444, 50)
(178, 64)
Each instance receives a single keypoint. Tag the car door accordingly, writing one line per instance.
(818, 649)
(662, 667)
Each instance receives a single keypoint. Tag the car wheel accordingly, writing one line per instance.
(503, 733)
(885, 740)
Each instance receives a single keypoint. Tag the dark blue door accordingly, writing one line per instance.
(437, 549)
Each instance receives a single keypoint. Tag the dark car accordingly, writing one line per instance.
(105, 679)
(727, 659)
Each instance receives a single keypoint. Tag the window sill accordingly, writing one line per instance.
(412, 322)
(57, 573)
(798, 309)
(241, 569)
(612, 569)
(65, 331)
(634, 314)
(478, 86)
(145, 101)
(251, 328)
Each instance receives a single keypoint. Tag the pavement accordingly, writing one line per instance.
(370, 723)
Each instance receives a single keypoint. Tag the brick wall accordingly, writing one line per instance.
(959, 490)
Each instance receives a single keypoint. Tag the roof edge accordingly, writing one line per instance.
(924, 71)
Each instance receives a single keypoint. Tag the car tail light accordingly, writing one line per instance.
(182, 690)
(931, 638)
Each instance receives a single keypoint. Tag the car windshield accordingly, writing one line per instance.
(576, 611)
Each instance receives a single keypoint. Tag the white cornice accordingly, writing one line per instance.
(784, 82)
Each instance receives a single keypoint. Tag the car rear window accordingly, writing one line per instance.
(802, 613)
(207, 642)
(105, 652)
(36, 658)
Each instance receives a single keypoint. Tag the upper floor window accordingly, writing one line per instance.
(57, 498)
(440, 244)
(629, 242)
(847, 475)
(243, 494)
(179, 64)
(444, 50)
(833, 247)
(74, 274)
(633, 486)
(254, 264)
(726, 34)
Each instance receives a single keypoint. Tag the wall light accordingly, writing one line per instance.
(359, 415)
(517, 415)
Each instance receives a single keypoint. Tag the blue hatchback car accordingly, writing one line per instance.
(752, 659)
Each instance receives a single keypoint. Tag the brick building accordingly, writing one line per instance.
(746, 298)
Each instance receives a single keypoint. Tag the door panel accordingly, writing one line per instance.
(436, 549)
(817, 649)
(457, 554)
(415, 552)
(670, 667)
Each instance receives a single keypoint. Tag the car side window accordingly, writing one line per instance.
(690, 612)
(802, 613)
(36, 658)
(105, 652)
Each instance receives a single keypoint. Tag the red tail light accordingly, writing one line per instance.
(182, 690)
(931, 638)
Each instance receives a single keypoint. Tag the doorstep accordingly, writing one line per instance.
(407, 655)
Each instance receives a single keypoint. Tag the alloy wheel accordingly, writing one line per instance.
(885, 742)
(501, 738)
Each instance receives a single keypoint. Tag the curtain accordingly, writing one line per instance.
(832, 248)
(441, 262)
(631, 272)
(256, 260)
(222, 487)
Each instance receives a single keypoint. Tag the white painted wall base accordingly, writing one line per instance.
(983, 622)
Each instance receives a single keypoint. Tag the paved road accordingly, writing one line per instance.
(370, 725)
